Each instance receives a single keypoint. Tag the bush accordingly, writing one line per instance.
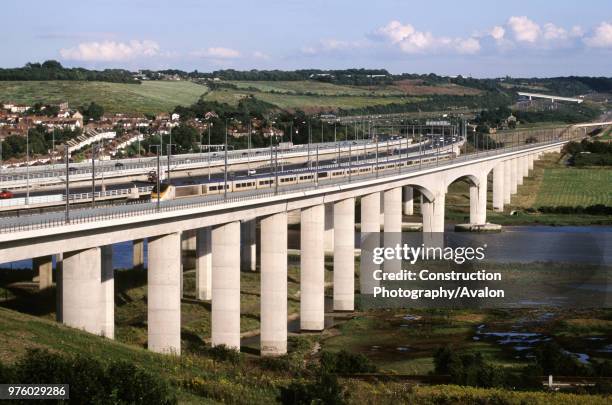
(92, 381)
(324, 390)
(224, 353)
(344, 362)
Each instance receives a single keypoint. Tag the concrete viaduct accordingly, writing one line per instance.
(86, 285)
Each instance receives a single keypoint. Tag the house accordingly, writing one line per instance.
(175, 117)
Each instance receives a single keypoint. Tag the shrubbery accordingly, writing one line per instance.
(344, 362)
(90, 381)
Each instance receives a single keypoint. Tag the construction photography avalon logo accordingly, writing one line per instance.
(306, 202)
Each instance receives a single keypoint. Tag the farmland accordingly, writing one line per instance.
(149, 97)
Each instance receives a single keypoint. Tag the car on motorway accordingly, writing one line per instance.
(251, 172)
(119, 164)
(72, 169)
(5, 194)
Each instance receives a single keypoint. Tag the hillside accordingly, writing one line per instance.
(149, 97)
(208, 378)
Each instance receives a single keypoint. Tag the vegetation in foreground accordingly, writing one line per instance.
(224, 376)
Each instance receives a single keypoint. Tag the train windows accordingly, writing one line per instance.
(322, 175)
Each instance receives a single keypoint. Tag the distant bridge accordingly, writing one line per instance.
(550, 97)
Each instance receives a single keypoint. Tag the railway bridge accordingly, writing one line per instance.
(224, 225)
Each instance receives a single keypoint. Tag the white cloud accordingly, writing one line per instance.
(409, 40)
(554, 33)
(217, 53)
(601, 37)
(395, 31)
(524, 29)
(498, 32)
(107, 51)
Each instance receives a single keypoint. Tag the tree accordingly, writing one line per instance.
(92, 111)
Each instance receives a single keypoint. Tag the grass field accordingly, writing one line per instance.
(149, 97)
(551, 183)
(315, 87)
(573, 187)
(304, 102)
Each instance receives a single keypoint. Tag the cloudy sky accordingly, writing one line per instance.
(482, 38)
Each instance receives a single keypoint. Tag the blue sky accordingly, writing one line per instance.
(482, 38)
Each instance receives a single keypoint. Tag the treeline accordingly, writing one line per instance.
(568, 114)
(588, 153)
(435, 103)
(53, 70)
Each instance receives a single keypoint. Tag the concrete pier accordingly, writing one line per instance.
(138, 253)
(531, 161)
(507, 181)
(433, 213)
(44, 268)
(514, 176)
(344, 255)
(225, 322)
(107, 294)
(393, 225)
(81, 301)
(312, 270)
(248, 244)
(478, 202)
(498, 187)
(203, 264)
(274, 285)
(408, 203)
(164, 294)
(370, 223)
(329, 228)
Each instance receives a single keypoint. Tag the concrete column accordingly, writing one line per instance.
(274, 285)
(370, 224)
(507, 181)
(107, 295)
(344, 255)
(203, 264)
(478, 202)
(248, 245)
(532, 158)
(329, 228)
(433, 213)
(138, 253)
(225, 322)
(312, 269)
(188, 240)
(59, 294)
(408, 204)
(525, 160)
(393, 210)
(514, 175)
(164, 294)
(44, 267)
(498, 187)
(370, 213)
(381, 196)
(393, 225)
(81, 276)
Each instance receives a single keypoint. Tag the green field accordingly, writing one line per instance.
(573, 187)
(315, 87)
(304, 102)
(149, 97)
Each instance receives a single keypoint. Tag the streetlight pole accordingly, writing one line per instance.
(67, 213)
(93, 176)
(208, 149)
(225, 165)
(27, 164)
